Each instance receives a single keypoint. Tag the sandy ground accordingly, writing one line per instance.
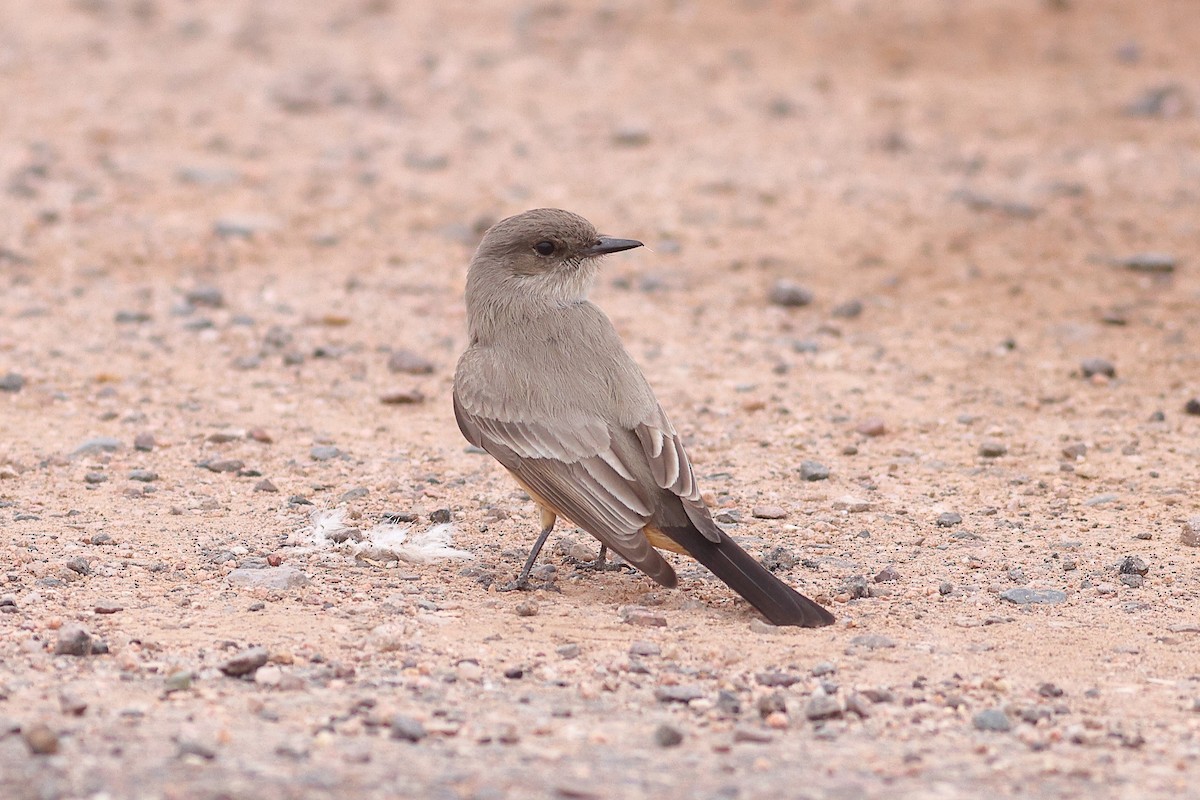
(222, 221)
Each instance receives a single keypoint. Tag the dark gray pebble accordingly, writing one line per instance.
(440, 517)
(775, 678)
(1097, 366)
(246, 662)
(822, 706)
(667, 736)
(1192, 407)
(407, 728)
(788, 294)
(1133, 565)
(992, 449)
(682, 693)
(143, 475)
(948, 519)
(95, 477)
(12, 382)
(888, 574)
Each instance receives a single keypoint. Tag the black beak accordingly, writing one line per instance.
(607, 244)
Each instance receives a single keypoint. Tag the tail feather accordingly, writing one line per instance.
(775, 600)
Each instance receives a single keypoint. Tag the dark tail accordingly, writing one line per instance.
(778, 602)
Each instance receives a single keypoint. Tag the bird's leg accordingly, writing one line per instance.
(522, 581)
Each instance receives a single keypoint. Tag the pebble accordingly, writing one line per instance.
(813, 471)
(1133, 565)
(69, 702)
(641, 616)
(223, 465)
(945, 588)
(1074, 451)
(178, 681)
(194, 747)
(440, 516)
(40, 739)
(631, 136)
(268, 675)
(568, 651)
(1097, 366)
(768, 512)
(405, 397)
(244, 663)
(872, 427)
(992, 719)
(1022, 596)
(1149, 262)
(873, 641)
(268, 578)
(107, 607)
(144, 442)
(1192, 407)
(682, 693)
(95, 478)
(100, 444)
(887, 575)
(822, 706)
(667, 736)
(143, 475)
(324, 452)
(854, 505)
(790, 295)
(409, 363)
(823, 668)
(265, 485)
(1191, 532)
(244, 226)
(948, 519)
(207, 296)
(74, 640)
(773, 703)
(1133, 581)
(643, 648)
(526, 608)
(744, 733)
(12, 382)
(850, 309)
(992, 449)
(774, 678)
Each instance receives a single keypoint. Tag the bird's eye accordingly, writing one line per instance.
(544, 248)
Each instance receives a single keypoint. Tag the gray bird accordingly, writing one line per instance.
(546, 387)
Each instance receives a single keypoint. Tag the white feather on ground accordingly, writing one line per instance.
(383, 542)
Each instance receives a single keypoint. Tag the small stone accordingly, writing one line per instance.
(178, 681)
(872, 426)
(667, 736)
(850, 309)
(682, 693)
(642, 617)
(40, 739)
(992, 719)
(143, 442)
(775, 678)
(69, 702)
(768, 512)
(246, 662)
(779, 559)
(101, 444)
(194, 747)
(406, 397)
(244, 226)
(992, 449)
(728, 516)
(773, 703)
(1133, 565)
(1191, 532)
(324, 452)
(1133, 581)
(644, 649)
(353, 494)
(268, 578)
(1074, 451)
(1192, 407)
(888, 574)
(95, 478)
(1022, 596)
(1097, 366)
(822, 668)
(568, 651)
(873, 641)
(406, 728)
(631, 136)
(107, 607)
(207, 296)
(1149, 262)
(822, 706)
(948, 519)
(143, 475)
(74, 640)
(79, 565)
(440, 516)
(813, 471)
(751, 735)
(526, 608)
(854, 505)
(12, 382)
(265, 485)
(790, 295)
(945, 588)
(223, 465)
(514, 673)
(409, 363)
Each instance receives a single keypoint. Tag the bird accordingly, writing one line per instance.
(546, 387)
